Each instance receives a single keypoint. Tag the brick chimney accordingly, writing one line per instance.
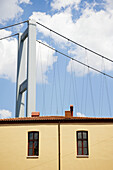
(69, 113)
(71, 110)
(35, 114)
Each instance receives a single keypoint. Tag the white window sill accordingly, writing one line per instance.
(82, 156)
(32, 156)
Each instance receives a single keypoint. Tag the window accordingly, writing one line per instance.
(33, 143)
(82, 143)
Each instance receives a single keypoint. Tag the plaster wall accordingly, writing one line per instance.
(100, 146)
(14, 147)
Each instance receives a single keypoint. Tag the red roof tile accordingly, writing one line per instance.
(54, 118)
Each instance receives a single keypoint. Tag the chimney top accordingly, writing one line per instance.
(35, 114)
(70, 112)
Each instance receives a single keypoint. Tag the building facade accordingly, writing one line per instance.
(56, 143)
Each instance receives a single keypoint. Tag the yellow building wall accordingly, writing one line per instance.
(100, 145)
(13, 147)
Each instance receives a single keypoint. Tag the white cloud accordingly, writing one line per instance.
(80, 114)
(25, 1)
(92, 29)
(5, 114)
(59, 4)
(97, 36)
(60, 22)
(9, 10)
(8, 56)
(109, 4)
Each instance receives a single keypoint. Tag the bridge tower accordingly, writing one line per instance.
(26, 84)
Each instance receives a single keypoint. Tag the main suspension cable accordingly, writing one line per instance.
(86, 48)
(9, 36)
(75, 60)
(14, 25)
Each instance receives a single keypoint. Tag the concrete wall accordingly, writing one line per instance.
(14, 139)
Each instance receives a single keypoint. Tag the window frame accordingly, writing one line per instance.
(33, 147)
(82, 140)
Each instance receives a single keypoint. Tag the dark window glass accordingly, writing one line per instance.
(30, 144)
(35, 151)
(79, 151)
(84, 135)
(85, 144)
(85, 151)
(30, 152)
(30, 136)
(79, 143)
(36, 136)
(82, 143)
(79, 135)
(33, 143)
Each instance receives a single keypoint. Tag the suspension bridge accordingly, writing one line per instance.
(66, 73)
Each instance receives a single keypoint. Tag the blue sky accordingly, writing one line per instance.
(61, 81)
